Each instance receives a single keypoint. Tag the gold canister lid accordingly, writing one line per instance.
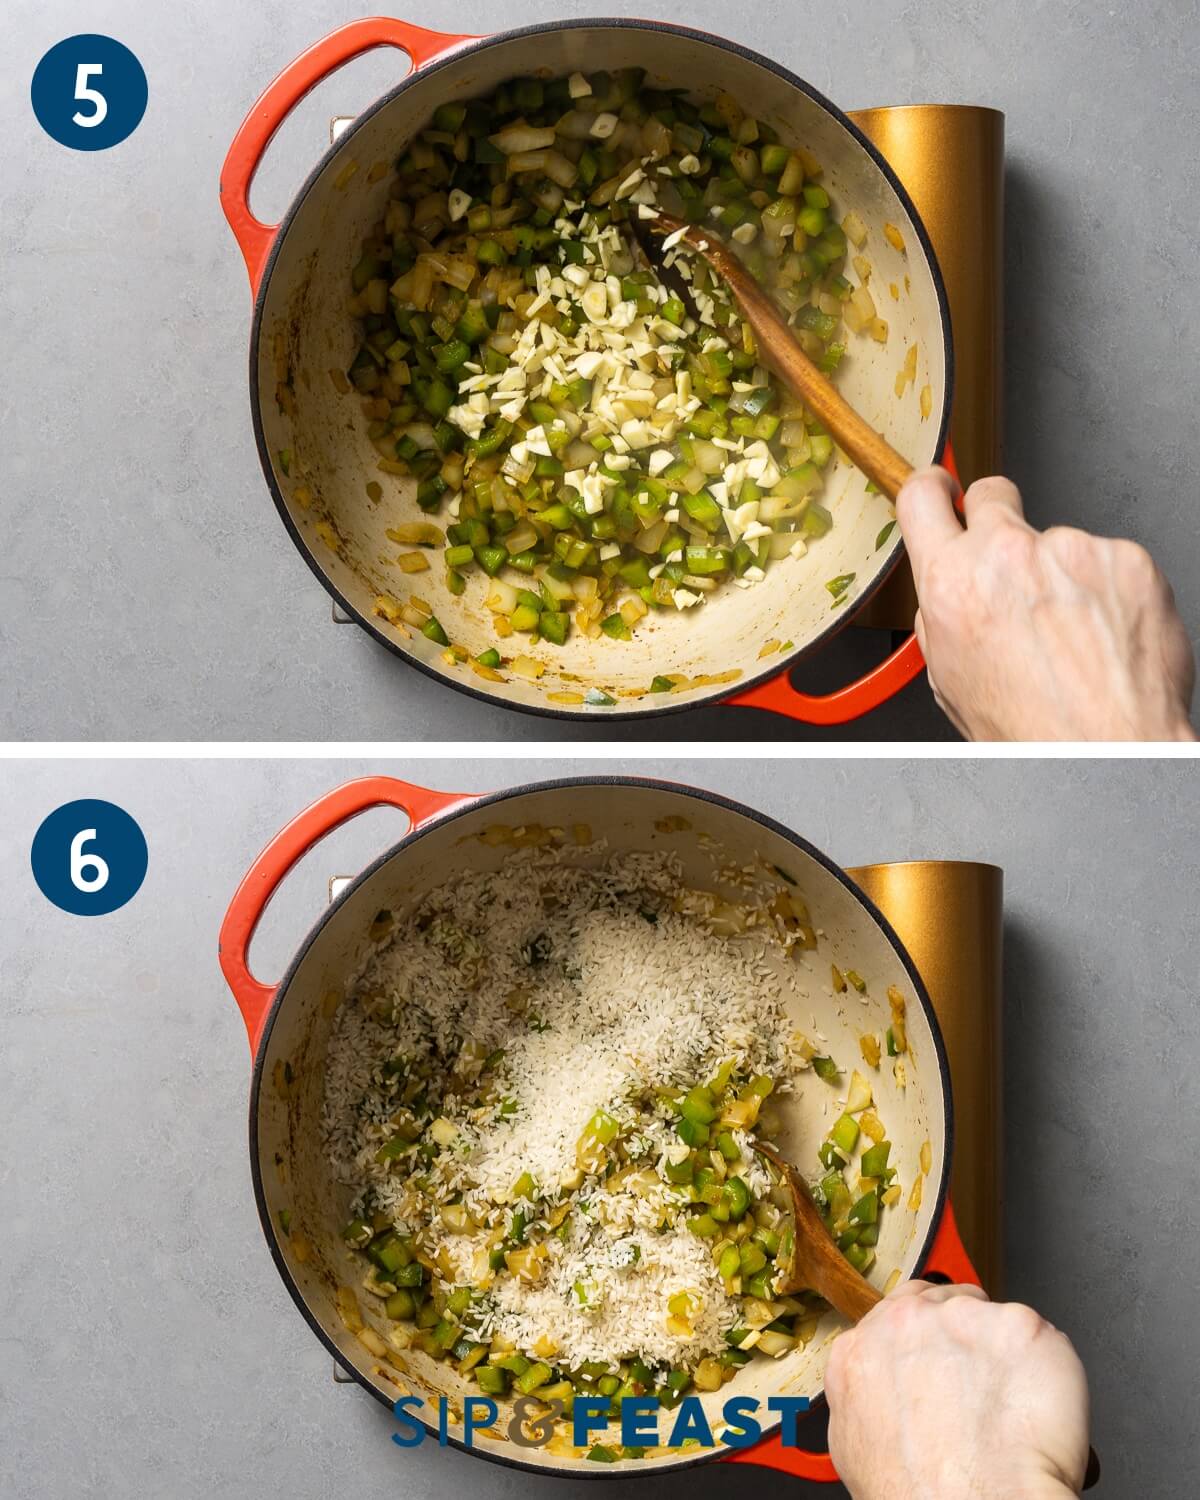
(950, 158)
(949, 914)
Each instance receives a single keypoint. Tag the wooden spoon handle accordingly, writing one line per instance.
(873, 454)
(844, 1288)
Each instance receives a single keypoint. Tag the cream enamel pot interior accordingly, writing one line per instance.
(301, 331)
(290, 1024)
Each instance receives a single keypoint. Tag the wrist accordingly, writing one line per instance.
(1173, 730)
(1025, 1482)
(1150, 724)
(989, 1476)
(1045, 1488)
(1031, 1476)
(1167, 719)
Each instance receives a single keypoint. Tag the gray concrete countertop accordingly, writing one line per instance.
(148, 1345)
(149, 589)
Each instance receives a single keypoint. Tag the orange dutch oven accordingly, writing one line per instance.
(290, 1023)
(299, 273)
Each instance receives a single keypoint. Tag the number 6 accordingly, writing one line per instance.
(90, 96)
(81, 863)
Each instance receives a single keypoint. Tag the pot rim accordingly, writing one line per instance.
(492, 799)
(419, 75)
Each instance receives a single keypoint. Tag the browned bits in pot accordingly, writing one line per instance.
(348, 1309)
(672, 824)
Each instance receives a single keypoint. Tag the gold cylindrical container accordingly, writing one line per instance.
(949, 915)
(950, 157)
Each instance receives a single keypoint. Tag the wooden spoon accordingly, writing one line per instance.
(873, 454)
(819, 1266)
(817, 1263)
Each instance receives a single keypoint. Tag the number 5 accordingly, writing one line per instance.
(82, 864)
(90, 96)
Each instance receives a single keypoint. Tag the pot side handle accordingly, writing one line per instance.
(856, 699)
(947, 1258)
(281, 854)
(281, 97)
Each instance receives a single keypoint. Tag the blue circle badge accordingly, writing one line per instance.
(89, 857)
(89, 92)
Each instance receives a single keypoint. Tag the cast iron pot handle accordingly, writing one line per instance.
(281, 97)
(947, 1259)
(268, 870)
(856, 699)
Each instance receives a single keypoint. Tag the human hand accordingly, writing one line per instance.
(939, 1393)
(1041, 635)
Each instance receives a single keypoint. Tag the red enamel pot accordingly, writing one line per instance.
(289, 1026)
(301, 332)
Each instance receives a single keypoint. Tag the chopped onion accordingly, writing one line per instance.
(650, 539)
(521, 137)
(575, 125)
(549, 196)
(708, 458)
(559, 169)
(633, 609)
(774, 1344)
(530, 670)
(521, 538)
(501, 597)
(656, 137)
(854, 228)
(416, 533)
(781, 544)
(527, 161)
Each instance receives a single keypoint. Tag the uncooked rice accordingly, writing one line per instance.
(599, 985)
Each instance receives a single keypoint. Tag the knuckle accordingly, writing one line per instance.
(993, 487)
(1069, 544)
(930, 480)
(1080, 554)
(1010, 550)
(1135, 564)
(924, 488)
(1022, 1323)
(961, 1311)
(905, 1313)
